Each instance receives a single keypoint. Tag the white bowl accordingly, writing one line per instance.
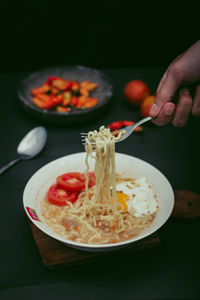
(126, 165)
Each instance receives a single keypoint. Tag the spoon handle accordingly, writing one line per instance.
(10, 164)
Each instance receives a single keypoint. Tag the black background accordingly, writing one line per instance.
(109, 35)
(38, 34)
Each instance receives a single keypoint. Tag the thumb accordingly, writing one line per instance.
(165, 92)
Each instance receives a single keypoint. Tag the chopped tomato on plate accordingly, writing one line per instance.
(57, 91)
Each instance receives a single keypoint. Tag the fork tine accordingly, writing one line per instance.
(93, 144)
(127, 131)
(84, 135)
(83, 138)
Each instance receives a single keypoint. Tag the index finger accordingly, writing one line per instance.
(165, 92)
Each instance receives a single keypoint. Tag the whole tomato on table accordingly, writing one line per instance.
(135, 91)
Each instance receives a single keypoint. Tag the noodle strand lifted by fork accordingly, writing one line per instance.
(104, 148)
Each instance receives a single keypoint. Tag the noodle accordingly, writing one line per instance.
(96, 217)
(104, 166)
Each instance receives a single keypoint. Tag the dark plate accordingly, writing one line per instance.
(104, 93)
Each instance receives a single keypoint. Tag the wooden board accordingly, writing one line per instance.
(187, 206)
(55, 254)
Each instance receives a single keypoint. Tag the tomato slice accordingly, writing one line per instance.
(60, 197)
(75, 181)
(72, 182)
(92, 179)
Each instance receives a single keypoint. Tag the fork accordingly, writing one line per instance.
(127, 131)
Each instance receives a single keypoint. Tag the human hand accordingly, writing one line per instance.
(185, 69)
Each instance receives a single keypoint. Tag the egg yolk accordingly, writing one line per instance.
(121, 201)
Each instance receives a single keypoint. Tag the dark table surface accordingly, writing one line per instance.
(170, 271)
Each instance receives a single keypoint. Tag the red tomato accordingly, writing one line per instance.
(73, 181)
(135, 91)
(60, 197)
(42, 104)
(146, 105)
(92, 179)
(120, 124)
(74, 86)
(128, 123)
(50, 79)
(54, 100)
(115, 125)
(68, 84)
(74, 101)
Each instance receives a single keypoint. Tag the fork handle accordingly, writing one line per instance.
(143, 121)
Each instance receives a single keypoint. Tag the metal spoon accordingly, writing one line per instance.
(30, 146)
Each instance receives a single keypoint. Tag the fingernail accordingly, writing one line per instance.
(169, 111)
(154, 110)
(185, 91)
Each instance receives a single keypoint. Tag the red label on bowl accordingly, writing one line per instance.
(32, 213)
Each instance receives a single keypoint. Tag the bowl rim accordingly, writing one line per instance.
(94, 247)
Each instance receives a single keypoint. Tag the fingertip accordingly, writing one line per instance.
(165, 115)
(154, 111)
(169, 109)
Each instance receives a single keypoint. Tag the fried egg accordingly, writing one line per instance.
(137, 197)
